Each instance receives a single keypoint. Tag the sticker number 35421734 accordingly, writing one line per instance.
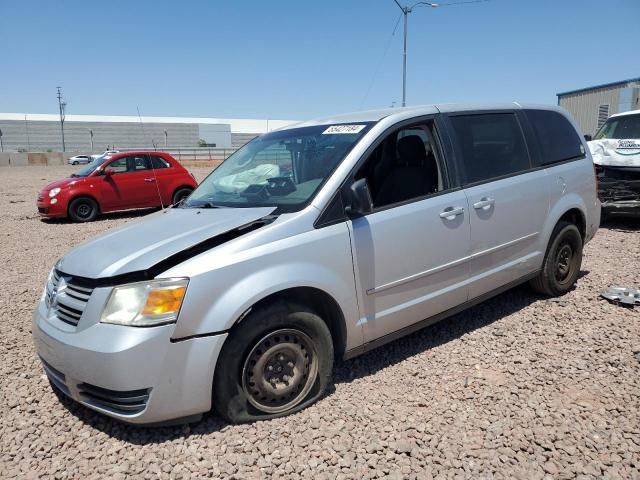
(333, 129)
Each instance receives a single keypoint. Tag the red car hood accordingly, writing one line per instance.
(65, 182)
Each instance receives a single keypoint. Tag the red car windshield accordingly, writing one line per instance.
(91, 166)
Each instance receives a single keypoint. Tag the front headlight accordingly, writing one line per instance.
(53, 192)
(146, 304)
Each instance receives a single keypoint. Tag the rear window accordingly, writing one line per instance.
(556, 137)
(492, 145)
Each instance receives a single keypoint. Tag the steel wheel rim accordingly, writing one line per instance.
(564, 260)
(84, 210)
(280, 370)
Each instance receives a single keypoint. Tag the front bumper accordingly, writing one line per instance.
(46, 209)
(137, 375)
(623, 208)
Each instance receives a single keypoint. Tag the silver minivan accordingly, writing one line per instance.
(321, 240)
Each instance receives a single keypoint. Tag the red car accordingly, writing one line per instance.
(117, 182)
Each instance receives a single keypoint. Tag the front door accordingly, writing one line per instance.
(131, 184)
(411, 252)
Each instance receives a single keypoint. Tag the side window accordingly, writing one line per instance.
(141, 162)
(492, 145)
(119, 165)
(406, 165)
(159, 162)
(557, 138)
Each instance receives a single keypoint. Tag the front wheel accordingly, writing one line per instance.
(277, 361)
(562, 261)
(83, 209)
(75, 163)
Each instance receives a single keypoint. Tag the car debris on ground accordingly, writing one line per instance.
(626, 297)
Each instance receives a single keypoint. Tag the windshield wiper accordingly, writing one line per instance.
(203, 205)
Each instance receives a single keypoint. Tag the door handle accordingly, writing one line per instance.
(450, 213)
(149, 179)
(485, 203)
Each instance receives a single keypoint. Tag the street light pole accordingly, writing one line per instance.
(406, 11)
(61, 106)
(1, 144)
(91, 138)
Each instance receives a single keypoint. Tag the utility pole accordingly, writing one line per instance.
(165, 139)
(61, 106)
(1, 144)
(406, 11)
(91, 139)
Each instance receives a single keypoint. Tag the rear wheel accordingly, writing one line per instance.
(181, 194)
(562, 261)
(277, 361)
(83, 209)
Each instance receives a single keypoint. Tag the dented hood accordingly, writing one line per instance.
(142, 244)
(616, 153)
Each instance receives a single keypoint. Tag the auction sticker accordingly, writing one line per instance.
(336, 129)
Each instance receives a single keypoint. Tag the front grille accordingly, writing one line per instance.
(66, 298)
(123, 402)
(43, 210)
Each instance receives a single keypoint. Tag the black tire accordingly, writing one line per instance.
(278, 332)
(181, 194)
(75, 163)
(562, 261)
(83, 209)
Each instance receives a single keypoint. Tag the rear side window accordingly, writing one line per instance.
(556, 137)
(492, 145)
(159, 162)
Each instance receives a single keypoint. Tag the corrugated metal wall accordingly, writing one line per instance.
(584, 106)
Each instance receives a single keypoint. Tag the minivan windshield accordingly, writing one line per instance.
(624, 127)
(91, 167)
(283, 169)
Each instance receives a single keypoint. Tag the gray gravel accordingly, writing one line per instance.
(517, 387)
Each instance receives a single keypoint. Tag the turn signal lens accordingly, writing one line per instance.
(161, 302)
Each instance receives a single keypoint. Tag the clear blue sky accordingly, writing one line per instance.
(301, 59)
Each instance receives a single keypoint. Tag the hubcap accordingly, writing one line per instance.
(280, 370)
(563, 261)
(84, 210)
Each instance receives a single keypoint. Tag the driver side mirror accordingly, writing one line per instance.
(360, 202)
(108, 172)
(588, 138)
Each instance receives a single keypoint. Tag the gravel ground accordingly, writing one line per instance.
(517, 387)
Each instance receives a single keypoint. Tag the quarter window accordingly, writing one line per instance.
(159, 162)
(491, 145)
(557, 138)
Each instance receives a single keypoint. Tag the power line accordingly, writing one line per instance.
(462, 3)
(377, 70)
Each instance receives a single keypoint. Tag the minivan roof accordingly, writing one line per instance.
(376, 115)
(622, 114)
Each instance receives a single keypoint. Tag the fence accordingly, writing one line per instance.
(191, 154)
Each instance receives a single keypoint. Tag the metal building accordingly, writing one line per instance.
(593, 105)
(86, 133)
